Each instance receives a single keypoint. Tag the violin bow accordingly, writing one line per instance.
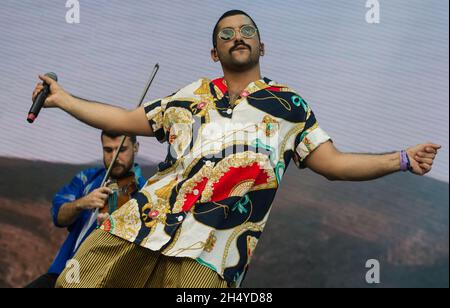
(117, 151)
(116, 154)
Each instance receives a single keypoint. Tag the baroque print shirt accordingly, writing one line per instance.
(211, 197)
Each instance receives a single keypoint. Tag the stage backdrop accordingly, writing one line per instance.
(377, 83)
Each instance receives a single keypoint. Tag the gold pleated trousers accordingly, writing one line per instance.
(107, 261)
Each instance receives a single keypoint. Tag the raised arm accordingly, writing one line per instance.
(335, 165)
(98, 115)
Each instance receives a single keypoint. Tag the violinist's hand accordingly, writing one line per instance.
(56, 96)
(101, 217)
(96, 199)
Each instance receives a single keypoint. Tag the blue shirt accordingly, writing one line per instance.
(81, 185)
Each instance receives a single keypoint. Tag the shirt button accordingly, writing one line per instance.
(196, 192)
(180, 218)
(229, 111)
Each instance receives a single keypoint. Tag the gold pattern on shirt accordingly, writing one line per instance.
(250, 226)
(127, 221)
(165, 191)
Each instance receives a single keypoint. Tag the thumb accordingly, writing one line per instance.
(47, 80)
(432, 147)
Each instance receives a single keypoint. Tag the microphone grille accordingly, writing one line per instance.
(52, 76)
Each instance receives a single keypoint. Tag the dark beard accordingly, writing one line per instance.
(235, 66)
(241, 66)
(126, 171)
(229, 63)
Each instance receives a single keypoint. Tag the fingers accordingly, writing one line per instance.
(432, 147)
(101, 218)
(37, 90)
(98, 197)
(103, 215)
(424, 160)
(103, 195)
(105, 190)
(97, 205)
(39, 86)
(46, 79)
(426, 155)
(429, 149)
(425, 167)
(90, 203)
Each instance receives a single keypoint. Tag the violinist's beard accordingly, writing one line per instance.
(119, 170)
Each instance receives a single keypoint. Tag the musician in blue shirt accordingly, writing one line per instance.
(74, 204)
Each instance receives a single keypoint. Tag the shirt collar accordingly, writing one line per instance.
(221, 85)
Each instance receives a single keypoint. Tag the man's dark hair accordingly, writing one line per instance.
(228, 14)
(115, 135)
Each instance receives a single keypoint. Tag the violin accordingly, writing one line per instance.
(122, 191)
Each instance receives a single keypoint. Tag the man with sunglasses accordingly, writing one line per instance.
(197, 221)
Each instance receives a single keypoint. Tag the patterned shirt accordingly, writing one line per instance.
(211, 197)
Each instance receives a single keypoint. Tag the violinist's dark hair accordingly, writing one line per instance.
(111, 134)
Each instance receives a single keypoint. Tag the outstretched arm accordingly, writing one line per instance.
(98, 115)
(335, 165)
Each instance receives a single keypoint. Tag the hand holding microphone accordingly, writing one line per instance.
(46, 94)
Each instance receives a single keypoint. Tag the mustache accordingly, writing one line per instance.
(240, 44)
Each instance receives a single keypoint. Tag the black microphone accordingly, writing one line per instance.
(40, 99)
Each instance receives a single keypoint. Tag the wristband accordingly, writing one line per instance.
(405, 164)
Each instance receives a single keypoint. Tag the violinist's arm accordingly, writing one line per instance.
(69, 211)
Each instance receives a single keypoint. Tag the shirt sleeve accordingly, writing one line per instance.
(310, 138)
(69, 193)
(154, 110)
